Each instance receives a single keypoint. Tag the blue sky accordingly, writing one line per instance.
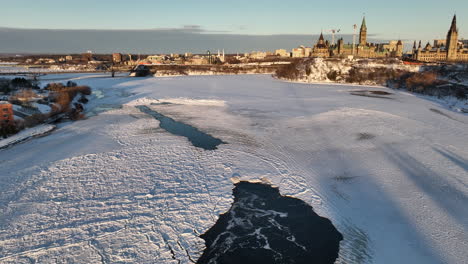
(425, 19)
(188, 19)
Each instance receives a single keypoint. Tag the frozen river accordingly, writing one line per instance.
(390, 173)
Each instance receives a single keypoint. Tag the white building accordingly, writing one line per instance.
(282, 53)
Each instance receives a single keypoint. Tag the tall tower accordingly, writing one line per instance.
(399, 49)
(363, 33)
(415, 50)
(321, 40)
(452, 40)
(340, 46)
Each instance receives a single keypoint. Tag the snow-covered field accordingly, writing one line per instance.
(391, 174)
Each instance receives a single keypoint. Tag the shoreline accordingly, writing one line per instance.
(28, 134)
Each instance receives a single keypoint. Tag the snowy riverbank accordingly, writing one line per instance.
(377, 73)
(25, 135)
(390, 173)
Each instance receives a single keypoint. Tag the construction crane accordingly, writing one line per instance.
(354, 38)
(333, 32)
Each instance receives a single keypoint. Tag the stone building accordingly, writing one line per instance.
(256, 55)
(117, 58)
(393, 45)
(363, 33)
(440, 42)
(364, 49)
(301, 52)
(465, 43)
(282, 53)
(449, 50)
(321, 49)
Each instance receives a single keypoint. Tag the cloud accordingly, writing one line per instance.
(184, 28)
(187, 38)
(196, 29)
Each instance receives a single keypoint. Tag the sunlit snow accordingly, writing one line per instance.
(391, 174)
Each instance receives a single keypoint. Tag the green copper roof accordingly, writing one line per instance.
(364, 26)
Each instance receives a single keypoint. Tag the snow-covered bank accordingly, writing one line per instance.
(201, 70)
(206, 73)
(339, 70)
(15, 68)
(211, 73)
(25, 135)
(390, 174)
(389, 73)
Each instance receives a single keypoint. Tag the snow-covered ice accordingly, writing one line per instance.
(44, 109)
(25, 134)
(391, 174)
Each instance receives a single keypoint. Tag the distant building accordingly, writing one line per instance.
(440, 42)
(464, 43)
(365, 49)
(322, 48)
(44, 61)
(362, 49)
(6, 113)
(155, 59)
(282, 53)
(363, 33)
(197, 60)
(87, 56)
(449, 50)
(391, 46)
(258, 55)
(117, 58)
(68, 58)
(301, 52)
(298, 52)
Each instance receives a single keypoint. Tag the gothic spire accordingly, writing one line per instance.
(321, 37)
(453, 27)
(363, 25)
(428, 46)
